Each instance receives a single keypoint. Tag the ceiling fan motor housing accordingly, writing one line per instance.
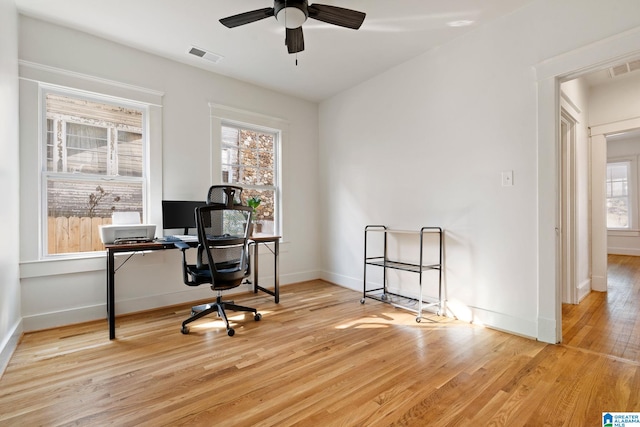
(291, 13)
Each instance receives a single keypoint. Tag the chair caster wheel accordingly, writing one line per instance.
(257, 317)
(185, 330)
(418, 319)
(231, 332)
(361, 300)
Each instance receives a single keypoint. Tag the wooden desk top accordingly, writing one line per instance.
(156, 245)
(260, 238)
(123, 247)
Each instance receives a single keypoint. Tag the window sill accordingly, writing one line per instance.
(56, 266)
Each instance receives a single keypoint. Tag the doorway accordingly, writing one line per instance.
(549, 74)
(583, 243)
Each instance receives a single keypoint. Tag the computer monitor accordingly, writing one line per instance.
(180, 214)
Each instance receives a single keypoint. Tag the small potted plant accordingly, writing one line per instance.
(253, 203)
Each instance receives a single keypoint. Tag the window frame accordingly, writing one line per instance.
(46, 175)
(228, 116)
(632, 190)
(276, 161)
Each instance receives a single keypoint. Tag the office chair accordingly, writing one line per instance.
(223, 233)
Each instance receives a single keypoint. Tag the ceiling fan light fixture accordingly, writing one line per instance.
(291, 17)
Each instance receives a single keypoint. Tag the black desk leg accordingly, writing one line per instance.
(111, 294)
(255, 267)
(276, 256)
(276, 262)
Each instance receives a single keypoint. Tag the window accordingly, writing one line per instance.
(93, 164)
(618, 200)
(249, 159)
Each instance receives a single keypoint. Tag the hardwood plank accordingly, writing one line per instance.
(317, 358)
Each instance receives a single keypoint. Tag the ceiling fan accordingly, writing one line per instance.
(293, 13)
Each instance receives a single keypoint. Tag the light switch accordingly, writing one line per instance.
(507, 178)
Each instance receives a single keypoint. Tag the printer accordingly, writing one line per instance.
(126, 227)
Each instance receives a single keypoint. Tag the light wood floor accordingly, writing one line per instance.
(608, 322)
(318, 358)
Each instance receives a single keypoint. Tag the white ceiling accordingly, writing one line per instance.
(334, 59)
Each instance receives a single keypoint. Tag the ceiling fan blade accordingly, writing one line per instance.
(247, 17)
(336, 15)
(294, 40)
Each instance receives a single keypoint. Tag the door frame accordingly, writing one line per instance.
(550, 73)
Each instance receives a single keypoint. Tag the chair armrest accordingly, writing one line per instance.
(181, 245)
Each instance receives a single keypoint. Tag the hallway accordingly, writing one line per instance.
(608, 322)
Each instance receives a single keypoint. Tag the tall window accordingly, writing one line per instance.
(618, 201)
(249, 159)
(93, 165)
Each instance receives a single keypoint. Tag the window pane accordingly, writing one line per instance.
(249, 160)
(129, 154)
(230, 136)
(77, 208)
(249, 175)
(54, 156)
(86, 139)
(617, 213)
(618, 203)
(86, 149)
(265, 214)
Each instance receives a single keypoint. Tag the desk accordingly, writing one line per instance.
(160, 246)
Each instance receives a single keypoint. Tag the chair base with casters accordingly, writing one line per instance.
(218, 307)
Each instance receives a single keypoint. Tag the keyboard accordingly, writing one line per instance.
(178, 238)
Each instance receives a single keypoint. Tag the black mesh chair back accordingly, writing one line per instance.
(223, 246)
(225, 194)
(223, 234)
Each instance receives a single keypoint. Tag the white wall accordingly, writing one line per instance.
(63, 292)
(615, 101)
(425, 144)
(10, 316)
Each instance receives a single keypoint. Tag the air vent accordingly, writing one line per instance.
(209, 56)
(625, 68)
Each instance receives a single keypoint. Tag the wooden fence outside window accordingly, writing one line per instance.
(74, 234)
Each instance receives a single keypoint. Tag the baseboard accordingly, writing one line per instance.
(547, 330)
(341, 280)
(599, 283)
(623, 251)
(584, 289)
(76, 315)
(288, 279)
(9, 346)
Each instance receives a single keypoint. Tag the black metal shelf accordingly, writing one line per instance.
(405, 266)
(381, 293)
